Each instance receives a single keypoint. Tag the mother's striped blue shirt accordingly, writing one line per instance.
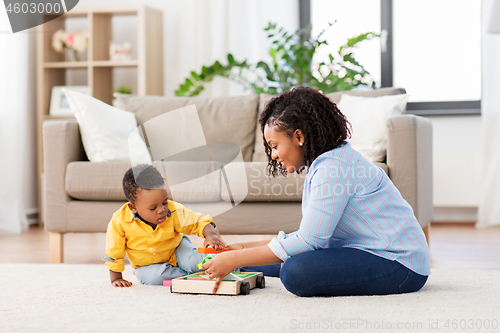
(350, 202)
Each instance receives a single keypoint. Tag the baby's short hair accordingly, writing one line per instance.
(141, 176)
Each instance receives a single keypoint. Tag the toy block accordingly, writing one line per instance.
(167, 283)
(208, 250)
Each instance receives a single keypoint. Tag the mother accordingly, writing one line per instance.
(357, 236)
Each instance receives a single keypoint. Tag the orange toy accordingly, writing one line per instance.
(207, 250)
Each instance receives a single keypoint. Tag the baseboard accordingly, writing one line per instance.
(455, 214)
(31, 215)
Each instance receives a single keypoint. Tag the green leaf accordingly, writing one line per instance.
(197, 91)
(272, 53)
(195, 76)
(217, 66)
(349, 57)
(353, 41)
(204, 71)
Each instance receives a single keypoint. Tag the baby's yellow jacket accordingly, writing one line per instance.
(145, 246)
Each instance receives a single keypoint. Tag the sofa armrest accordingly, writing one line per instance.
(61, 144)
(409, 159)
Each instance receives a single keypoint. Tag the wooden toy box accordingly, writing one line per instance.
(198, 283)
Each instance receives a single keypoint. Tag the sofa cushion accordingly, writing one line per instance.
(108, 134)
(193, 181)
(95, 181)
(259, 154)
(188, 181)
(260, 218)
(368, 118)
(258, 186)
(223, 119)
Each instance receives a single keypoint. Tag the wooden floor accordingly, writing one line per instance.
(453, 246)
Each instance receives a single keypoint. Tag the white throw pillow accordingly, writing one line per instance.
(368, 117)
(105, 130)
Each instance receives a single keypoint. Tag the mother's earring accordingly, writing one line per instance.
(300, 144)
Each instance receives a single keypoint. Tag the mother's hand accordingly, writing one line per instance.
(218, 267)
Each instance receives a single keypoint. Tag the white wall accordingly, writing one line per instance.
(457, 160)
(457, 163)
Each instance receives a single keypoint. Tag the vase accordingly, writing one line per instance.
(72, 55)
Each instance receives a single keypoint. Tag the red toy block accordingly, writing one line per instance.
(167, 283)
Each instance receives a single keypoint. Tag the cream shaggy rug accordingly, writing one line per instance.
(79, 298)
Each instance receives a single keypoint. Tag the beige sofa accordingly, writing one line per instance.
(80, 196)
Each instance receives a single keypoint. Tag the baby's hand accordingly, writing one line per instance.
(214, 242)
(121, 283)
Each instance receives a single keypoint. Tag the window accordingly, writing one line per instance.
(437, 49)
(348, 25)
(432, 48)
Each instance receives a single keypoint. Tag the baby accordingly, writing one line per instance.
(149, 230)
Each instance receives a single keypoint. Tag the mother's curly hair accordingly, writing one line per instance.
(323, 125)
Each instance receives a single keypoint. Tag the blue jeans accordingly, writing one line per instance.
(188, 259)
(343, 272)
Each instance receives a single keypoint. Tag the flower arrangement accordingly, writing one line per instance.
(75, 42)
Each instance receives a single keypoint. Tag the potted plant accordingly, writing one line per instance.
(291, 65)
